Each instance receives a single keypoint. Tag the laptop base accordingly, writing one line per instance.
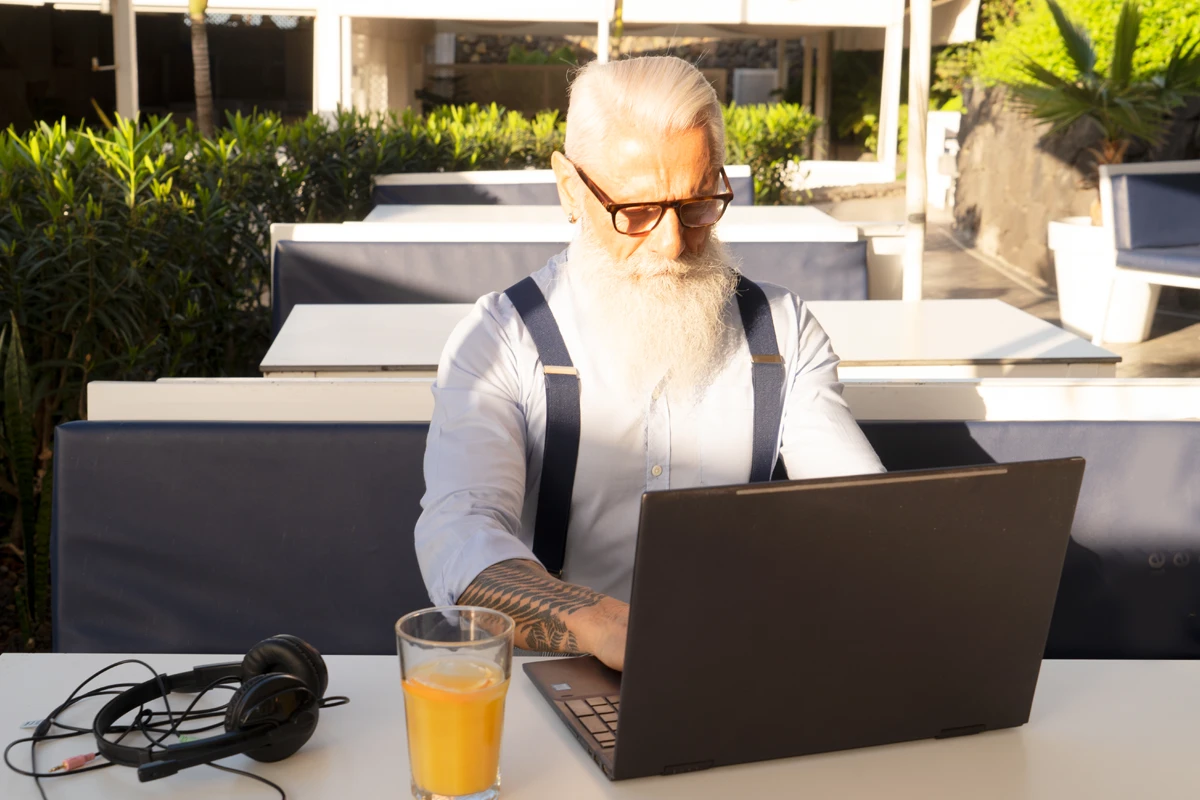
(593, 690)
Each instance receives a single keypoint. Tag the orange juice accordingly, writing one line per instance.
(455, 711)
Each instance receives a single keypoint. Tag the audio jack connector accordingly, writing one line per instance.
(74, 762)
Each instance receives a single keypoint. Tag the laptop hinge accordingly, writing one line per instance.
(965, 730)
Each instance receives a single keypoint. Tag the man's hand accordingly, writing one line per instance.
(551, 615)
(604, 634)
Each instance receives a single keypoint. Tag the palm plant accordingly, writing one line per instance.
(1122, 104)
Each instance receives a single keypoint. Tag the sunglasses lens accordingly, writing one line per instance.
(637, 219)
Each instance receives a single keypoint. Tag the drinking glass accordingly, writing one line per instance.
(455, 664)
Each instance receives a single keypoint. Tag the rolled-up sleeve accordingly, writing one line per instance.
(474, 459)
(820, 438)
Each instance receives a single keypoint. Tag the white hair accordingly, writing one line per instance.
(656, 96)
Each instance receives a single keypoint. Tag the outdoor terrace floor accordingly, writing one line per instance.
(952, 271)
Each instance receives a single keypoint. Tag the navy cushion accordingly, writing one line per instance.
(208, 537)
(1131, 582)
(1172, 260)
(1156, 210)
(403, 272)
(449, 272)
(456, 194)
(502, 194)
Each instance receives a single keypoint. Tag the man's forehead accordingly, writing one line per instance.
(640, 167)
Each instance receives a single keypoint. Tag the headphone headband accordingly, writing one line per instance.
(195, 680)
(269, 716)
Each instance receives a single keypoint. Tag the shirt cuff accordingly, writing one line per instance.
(476, 554)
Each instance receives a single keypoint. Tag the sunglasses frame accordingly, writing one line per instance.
(613, 208)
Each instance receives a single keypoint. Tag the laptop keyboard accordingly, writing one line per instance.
(599, 716)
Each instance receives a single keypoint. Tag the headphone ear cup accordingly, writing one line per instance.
(237, 705)
(290, 654)
(284, 700)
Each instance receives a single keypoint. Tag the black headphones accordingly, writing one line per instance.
(269, 717)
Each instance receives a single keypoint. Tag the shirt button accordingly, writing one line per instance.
(656, 470)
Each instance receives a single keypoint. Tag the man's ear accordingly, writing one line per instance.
(569, 185)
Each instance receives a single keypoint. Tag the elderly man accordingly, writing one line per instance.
(639, 359)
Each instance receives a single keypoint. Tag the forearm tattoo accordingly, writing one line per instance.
(538, 603)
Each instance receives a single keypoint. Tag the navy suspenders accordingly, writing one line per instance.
(562, 407)
(562, 426)
(766, 374)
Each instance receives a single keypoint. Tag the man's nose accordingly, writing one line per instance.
(667, 237)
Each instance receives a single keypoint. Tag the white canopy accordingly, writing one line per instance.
(859, 23)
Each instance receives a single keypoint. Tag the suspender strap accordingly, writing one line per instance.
(767, 374)
(562, 425)
(562, 407)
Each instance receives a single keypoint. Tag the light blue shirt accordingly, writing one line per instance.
(483, 459)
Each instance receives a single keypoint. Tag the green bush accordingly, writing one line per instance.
(1031, 32)
(956, 65)
(1119, 105)
(142, 251)
(130, 254)
(767, 137)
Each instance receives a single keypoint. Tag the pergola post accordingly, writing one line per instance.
(806, 87)
(124, 24)
(823, 101)
(444, 51)
(327, 62)
(781, 66)
(603, 30)
(921, 14)
(346, 63)
(889, 106)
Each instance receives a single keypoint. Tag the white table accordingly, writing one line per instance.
(535, 223)
(405, 399)
(1102, 730)
(876, 340)
(885, 339)
(361, 340)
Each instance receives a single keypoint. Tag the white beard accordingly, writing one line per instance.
(665, 319)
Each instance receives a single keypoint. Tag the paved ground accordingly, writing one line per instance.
(1172, 351)
(951, 270)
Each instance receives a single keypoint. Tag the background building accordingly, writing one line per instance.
(293, 56)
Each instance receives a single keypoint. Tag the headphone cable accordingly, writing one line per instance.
(143, 723)
(41, 733)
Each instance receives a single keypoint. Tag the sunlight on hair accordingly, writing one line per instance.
(654, 95)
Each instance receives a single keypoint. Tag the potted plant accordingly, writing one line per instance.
(1123, 106)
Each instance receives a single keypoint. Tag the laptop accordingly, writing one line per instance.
(781, 619)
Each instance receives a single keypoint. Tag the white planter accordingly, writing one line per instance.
(1083, 254)
(885, 261)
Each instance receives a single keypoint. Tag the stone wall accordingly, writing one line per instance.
(488, 49)
(707, 53)
(1013, 180)
(714, 57)
(714, 53)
